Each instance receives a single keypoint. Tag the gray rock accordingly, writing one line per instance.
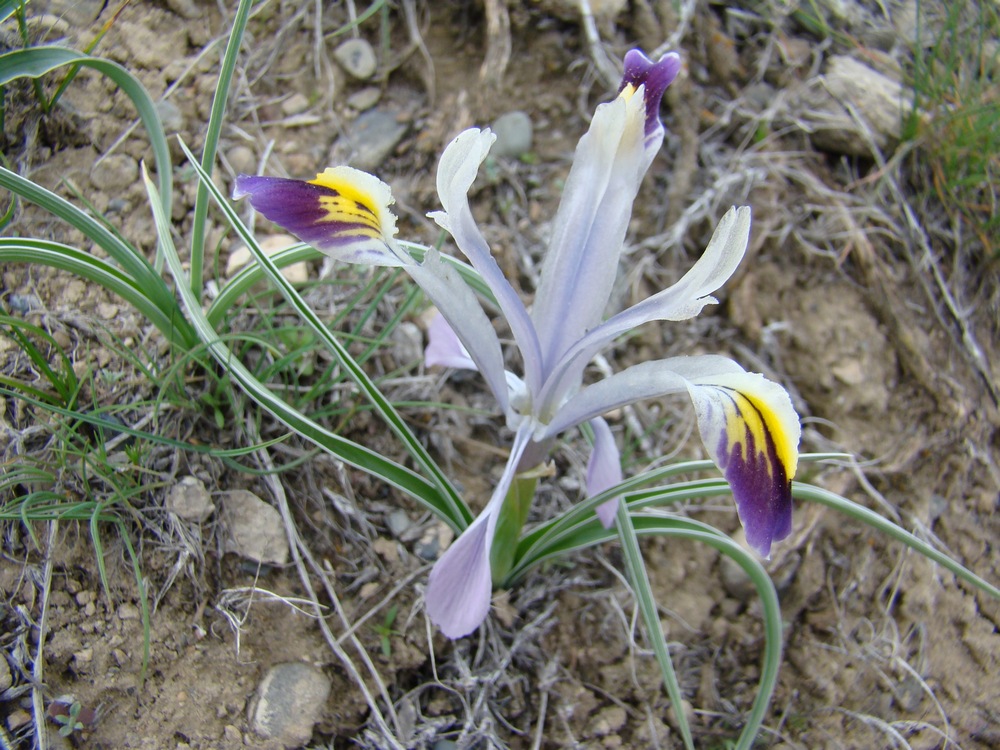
(408, 343)
(6, 678)
(114, 173)
(514, 135)
(369, 140)
(296, 104)
(398, 522)
(255, 529)
(189, 500)
(78, 13)
(171, 116)
(357, 58)
(289, 702)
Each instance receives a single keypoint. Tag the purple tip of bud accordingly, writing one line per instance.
(641, 71)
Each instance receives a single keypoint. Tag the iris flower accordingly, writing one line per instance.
(746, 422)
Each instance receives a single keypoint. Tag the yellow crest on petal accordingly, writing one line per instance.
(357, 199)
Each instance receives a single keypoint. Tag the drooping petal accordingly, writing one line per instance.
(458, 304)
(460, 584)
(456, 172)
(604, 470)
(680, 301)
(747, 423)
(589, 228)
(752, 433)
(344, 213)
(444, 347)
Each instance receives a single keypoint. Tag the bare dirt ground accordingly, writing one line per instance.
(838, 299)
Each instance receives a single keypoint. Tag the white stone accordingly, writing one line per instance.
(290, 700)
(357, 57)
(255, 529)
(189, 500)
(297, 273)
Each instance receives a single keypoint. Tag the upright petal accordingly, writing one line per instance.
(679, 301)
(344, 213)
(604, 470)
(456, 172)
(752, 433)
(460, 584)
(589, 228)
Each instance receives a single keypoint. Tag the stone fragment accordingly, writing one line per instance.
(369, 140)
(189, 500)
(171, 116)
(242, 159)
(289, 702)
(296, 104)
(114, 173)
(514, 135)
(364, 99)
(6, 678)
(255, 530)
(851, 107)
(357, 58)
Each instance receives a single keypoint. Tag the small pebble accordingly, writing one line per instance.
(398, 521)
(514, 134)
(114, 173)
(242, 159)
(357, 58)
(255, 529)
(296, 104)
(370, 140)
(171, 116)
(290, 700)
(364, 99)
(189, 500)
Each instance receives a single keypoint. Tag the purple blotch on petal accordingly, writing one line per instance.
(761, 488)
(641, 71)
(296, 206)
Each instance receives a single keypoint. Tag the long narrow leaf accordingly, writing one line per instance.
(458, 513)
(212, 134)
(17, 250)
(643, 590)
(832, 500)
(348, 451)
(35, 62)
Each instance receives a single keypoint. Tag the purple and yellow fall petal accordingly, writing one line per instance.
(344, 213)
(604, 470)
(752, 433)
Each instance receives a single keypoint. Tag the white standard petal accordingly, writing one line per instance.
(456, 172)
(444, 348)
(588, 233)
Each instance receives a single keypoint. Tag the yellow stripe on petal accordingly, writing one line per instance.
(357, 197)
(752, 433)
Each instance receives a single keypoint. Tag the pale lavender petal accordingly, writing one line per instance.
(679, 301)
(589, 229)
(458, 304)
(460, 584)
(604, 470)
(444, 348)
(752, 433)
(344, 212)
(456, 172)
